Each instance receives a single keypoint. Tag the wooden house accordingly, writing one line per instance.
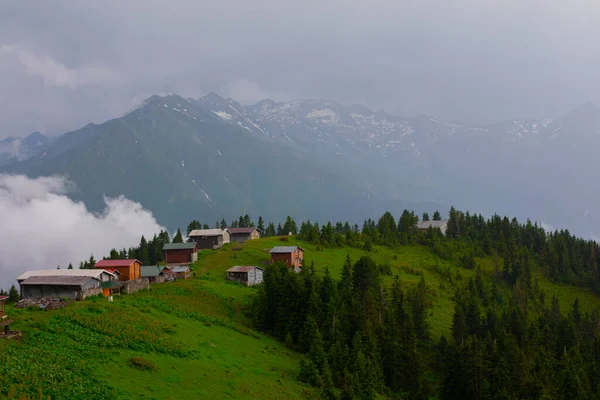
(209, 238)
(246, 275)
(129, 269)
(292, 256)
(182, 272)
(180, 253)
(240, 235)
(425, 225)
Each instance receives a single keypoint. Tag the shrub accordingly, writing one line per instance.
(142, 364)
(284, 239)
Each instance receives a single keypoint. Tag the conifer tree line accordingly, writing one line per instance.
(361, 338)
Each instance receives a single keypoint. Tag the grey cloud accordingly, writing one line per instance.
(476, 60)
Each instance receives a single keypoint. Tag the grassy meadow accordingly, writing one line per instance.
(191, 339)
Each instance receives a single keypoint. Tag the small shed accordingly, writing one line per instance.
(210, 238)
(246, 275)
(180, 253)
(182, 272)
(292, 256)
(154, 273)
(240, 235)
(72, 287)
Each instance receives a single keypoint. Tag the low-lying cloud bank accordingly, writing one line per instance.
(42, 228)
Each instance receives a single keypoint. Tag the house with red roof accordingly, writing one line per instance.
(128, 269)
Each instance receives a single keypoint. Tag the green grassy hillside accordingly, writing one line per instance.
(193, 336)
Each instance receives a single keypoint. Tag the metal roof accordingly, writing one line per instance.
(179, 246)
(180, 269)
(57, 280)
(94, 273)
(432, 224)
(242, 230)
(285, 249)
(207, 232)
(3, 298)
(150, 270)
(114, 263)
(242, 268)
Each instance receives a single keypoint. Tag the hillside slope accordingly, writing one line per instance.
(194, 336)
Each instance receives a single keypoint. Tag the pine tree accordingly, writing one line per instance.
(261, 224)
(223, 224)
(270, 230)
(425, 217)
(13, 294)
(178, 238)
(437, 216)
(70, 266)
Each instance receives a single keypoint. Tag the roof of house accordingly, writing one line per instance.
(285, 249)
(432, 224)
(115, 263)
(181, 268)
(2, 298)
(242, 230)
(207, 232)
(242, 268)
(62, 280)
(180, 246)
(94, 273)
(167, 271)
(150, 270)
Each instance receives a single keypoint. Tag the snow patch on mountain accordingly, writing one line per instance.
(325, 116)
(223, 115)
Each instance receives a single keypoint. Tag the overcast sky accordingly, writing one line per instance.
(66, 63)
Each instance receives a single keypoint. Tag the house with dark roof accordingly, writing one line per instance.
(129, 269)
(180, 253)
(240, 235)
(70, 286)
(209, 238)
(154, 273)
(246, 275)
(292, 256)
(424, 226)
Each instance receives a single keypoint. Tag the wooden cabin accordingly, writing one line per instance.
(211, 239)
(180, 253)
(129, 269)
(292, 256)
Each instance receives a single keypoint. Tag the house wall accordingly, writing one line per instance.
(293, 259)
(255, 277)
(208, 242)
(183, 256)
(226, 237)
(239, 237)
(136, 285)
(242, 277)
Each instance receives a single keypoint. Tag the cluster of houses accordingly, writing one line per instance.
(111, 277)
